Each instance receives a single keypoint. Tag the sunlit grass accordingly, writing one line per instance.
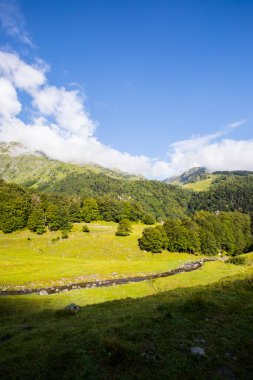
(201, 185)
(38, 260)
(145, 328)
(210, 273)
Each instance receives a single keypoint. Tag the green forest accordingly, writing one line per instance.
(210, 222)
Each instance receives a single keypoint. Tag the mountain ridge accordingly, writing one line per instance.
(18, 164)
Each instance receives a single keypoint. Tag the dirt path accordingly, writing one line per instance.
(187, 267)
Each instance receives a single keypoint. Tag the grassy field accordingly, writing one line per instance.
(146, 331)
(136, 331)
(201, 185)
(42, 261)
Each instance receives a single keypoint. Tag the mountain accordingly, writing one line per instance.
(37, 172)
(189, 176)
(227, 191)
(34, 170)
(200, 179)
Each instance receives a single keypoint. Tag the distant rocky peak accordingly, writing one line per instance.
(189, 176)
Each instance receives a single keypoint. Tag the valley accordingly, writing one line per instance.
(177, 280)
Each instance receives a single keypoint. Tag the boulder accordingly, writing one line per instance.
(198, 351)
(72, 308)
(43, 293)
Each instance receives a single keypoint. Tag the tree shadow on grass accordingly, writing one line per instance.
(145, 338)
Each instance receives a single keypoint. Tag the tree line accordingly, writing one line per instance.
(223, 227)
(205, 232)
(21, 208)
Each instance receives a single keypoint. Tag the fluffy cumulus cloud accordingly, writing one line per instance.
(9, 104)
(61, 127)
(213, 152)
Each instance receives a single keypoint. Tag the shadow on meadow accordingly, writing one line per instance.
(145, 338)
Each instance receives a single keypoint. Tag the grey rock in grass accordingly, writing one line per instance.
(73, 308)
(198, 351)
(43, 293)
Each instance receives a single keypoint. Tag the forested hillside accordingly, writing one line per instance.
(227, 193)
(53, 195)
(19, 165)
(111, 202)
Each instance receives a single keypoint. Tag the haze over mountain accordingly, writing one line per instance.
(19, 165)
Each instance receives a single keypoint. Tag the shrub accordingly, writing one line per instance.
(85, 228)
(64, 235)
(237, 260)
(124, 228)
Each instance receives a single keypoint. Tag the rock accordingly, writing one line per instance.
(198, 351)
(43, 293)
(72, 308)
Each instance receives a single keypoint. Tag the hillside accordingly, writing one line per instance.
(224, 191)
(44, 175)
(200, 179)
(189, 176)
(33, 170)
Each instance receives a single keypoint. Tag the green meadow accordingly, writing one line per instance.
(202, 185)
(32, 260)
(136, 331)
(142, 330)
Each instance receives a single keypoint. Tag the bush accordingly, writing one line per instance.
(85, 228)
(124, 228)
(237, 260)
(64, 235)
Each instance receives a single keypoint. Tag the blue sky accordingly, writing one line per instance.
(158, 77)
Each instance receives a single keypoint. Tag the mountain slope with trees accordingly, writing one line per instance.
(85, 193)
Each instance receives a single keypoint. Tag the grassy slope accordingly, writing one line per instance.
(134, 331)
(143, 338)
(98, 255)
(200, 185)
(34, 170)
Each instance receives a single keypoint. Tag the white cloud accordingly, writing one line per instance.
(63, 129)
(215, 154)
(237, 124)
(67, 109)
(23, 76)
(9, 104)
(13, 22)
